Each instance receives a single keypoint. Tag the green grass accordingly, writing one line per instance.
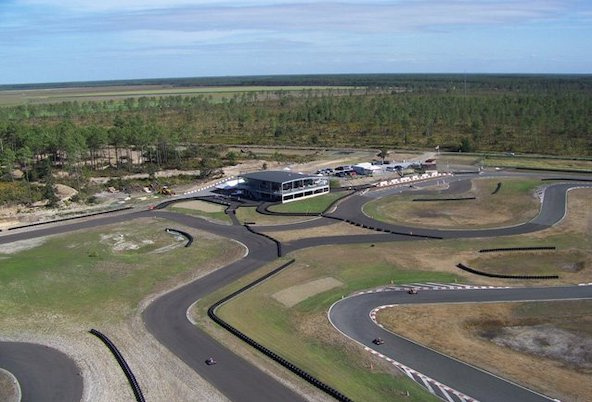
(543, 163)
(311, 205)
(302, 333)
(216, 216)
(81, 276)
(14, 97)
(250, 214)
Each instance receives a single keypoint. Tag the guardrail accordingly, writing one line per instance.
(70, 218)
(122, 363)
(287, 364)
(182, 233)
(487, 274)
(491, 250)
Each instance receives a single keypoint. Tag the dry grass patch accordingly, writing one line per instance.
(336, 229)
(464, 331)
(200, 206)
(513, 204)
(8, 388)
(295, 294)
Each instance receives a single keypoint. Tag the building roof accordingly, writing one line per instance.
(277, 176)
(368, 166)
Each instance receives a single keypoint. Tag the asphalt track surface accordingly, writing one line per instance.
(43, 373)
(166, 317)
(351, 316)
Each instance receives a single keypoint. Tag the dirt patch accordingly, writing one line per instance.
(22, 245)
(9, 387)
(548, 341)
(336, 229)
(64, 192)
(295, 294)
(200, 206)
(120, 242)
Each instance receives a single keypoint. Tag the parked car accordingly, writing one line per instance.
(343, 168)
(345, 173)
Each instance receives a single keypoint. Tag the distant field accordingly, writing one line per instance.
(36, 96)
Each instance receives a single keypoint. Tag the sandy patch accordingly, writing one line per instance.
(295, 294)
(200, 206)
(9, 387)
(22, 245)
(337, 229)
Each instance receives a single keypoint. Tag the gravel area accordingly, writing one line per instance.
(9, 387)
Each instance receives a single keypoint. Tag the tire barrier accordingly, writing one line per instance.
(269, 353)
(492, 250)
(122, 363)
(564, 179)
(487, 274)
(212, 199)
(182, 233)
(70, 218)
(377, 229)
(277, 242)
(497, 188)
(445, 199)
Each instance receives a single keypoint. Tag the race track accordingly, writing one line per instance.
(351, 316)
(236, 378)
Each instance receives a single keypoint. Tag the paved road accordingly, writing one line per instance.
(44, 373)
(166, 319)
(551, 212)
(351, 316)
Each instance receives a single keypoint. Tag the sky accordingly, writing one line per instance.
(86, 40)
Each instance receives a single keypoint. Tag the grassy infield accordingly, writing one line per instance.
(83, 280)
(78, 277)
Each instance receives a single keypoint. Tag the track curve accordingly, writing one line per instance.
(44, 373)
(351, 316)
(235, 377)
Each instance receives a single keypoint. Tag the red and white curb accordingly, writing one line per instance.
(429, 286)
(445, 392)
(208, 186)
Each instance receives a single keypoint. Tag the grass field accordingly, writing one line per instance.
(514, 203)
(100, 274)
(310, 205)
(549, 344)
(250, 214)
(583, 165)
(17, 97)
(303, 334)
(201, 209)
